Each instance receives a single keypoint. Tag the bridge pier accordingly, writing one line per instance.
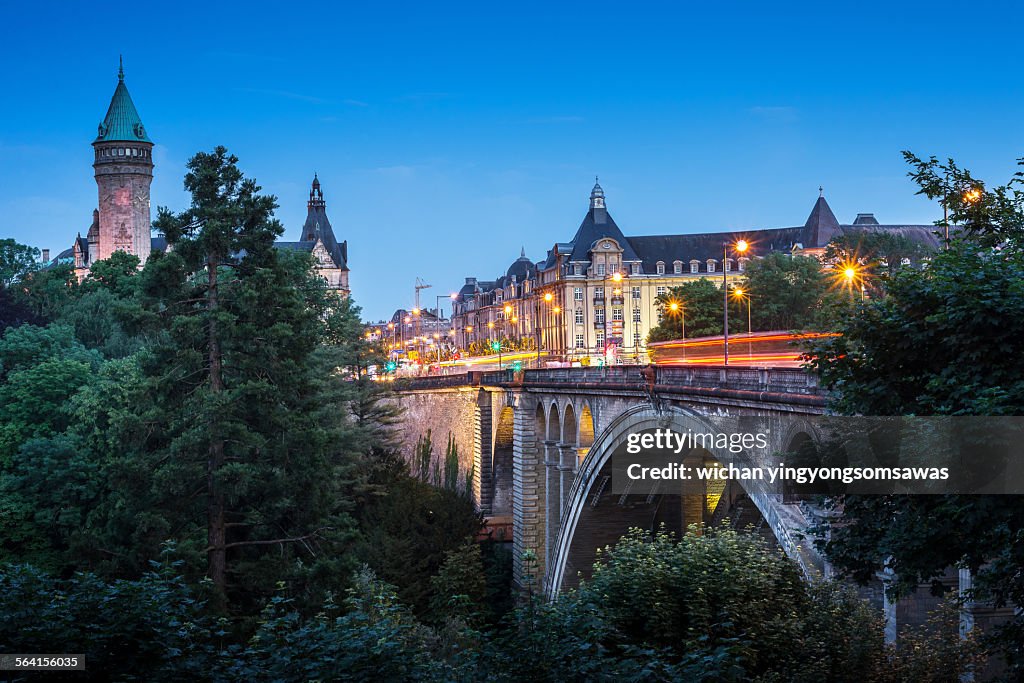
(529, 519)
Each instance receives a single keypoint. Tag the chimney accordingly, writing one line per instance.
(46, 255)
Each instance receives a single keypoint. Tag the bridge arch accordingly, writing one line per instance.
(569, 425)
(593, 476)
(554, 426)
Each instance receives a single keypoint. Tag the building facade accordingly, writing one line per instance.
(123, 168)
(596, 295)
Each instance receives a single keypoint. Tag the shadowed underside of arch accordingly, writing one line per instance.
(594, 516)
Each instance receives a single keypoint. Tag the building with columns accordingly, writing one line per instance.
(123, 168)
(596, 294)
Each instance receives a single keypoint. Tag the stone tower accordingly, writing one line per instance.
(124, 170)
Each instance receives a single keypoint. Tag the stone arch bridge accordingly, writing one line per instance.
(539, 445)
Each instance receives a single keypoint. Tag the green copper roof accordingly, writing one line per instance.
(122, 122)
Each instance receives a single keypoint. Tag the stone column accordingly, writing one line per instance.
(528, 509)
(566, 473)
(552, 498)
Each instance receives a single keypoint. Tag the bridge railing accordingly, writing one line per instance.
(771, 380)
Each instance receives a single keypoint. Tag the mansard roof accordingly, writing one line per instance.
(708, 245)
(122, 122)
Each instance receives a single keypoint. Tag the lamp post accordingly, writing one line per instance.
(741, 247)
(678, 306)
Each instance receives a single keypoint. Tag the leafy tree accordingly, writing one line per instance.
(990, 216)
(409, 527)
(944, 341)
(40, 368)
(48, 292)
(879, 255)
(700, 303)
(789, 293)
(16, 261)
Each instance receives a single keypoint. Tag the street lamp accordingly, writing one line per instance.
(740, 247)
(677, 306)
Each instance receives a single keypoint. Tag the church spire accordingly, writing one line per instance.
(597, 196)
(316, 196)
(120, 68)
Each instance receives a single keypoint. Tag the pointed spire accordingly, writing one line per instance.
(821, 191)
(522, 252)
(122, 122)
(821, 225)
(316, 196)
(597, 196)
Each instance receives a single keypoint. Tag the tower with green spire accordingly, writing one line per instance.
(123, 167)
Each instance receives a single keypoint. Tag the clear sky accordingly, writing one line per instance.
(448, 135)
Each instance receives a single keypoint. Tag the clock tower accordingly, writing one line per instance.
(123, 166)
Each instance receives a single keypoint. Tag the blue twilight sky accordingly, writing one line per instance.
(448, 135)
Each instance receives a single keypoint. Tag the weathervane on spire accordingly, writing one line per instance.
(821, 191)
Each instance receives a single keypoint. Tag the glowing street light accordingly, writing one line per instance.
(741, 247)
(676, 306)
(740, 295)
(617, 276)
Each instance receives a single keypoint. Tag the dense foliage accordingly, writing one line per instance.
(944, 340)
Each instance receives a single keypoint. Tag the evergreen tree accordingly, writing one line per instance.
(245, 426)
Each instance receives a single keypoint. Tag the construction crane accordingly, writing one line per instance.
(420, 284)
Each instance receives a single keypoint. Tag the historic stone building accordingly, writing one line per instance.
(123, 165)
(596, 294)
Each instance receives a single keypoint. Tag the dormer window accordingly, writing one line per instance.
(728, 265)
(711, 265)
(694, 266)
(600, 270)
(677, 267)
(635, 269)
(577, 269)
(743, 263)
(661, 267)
